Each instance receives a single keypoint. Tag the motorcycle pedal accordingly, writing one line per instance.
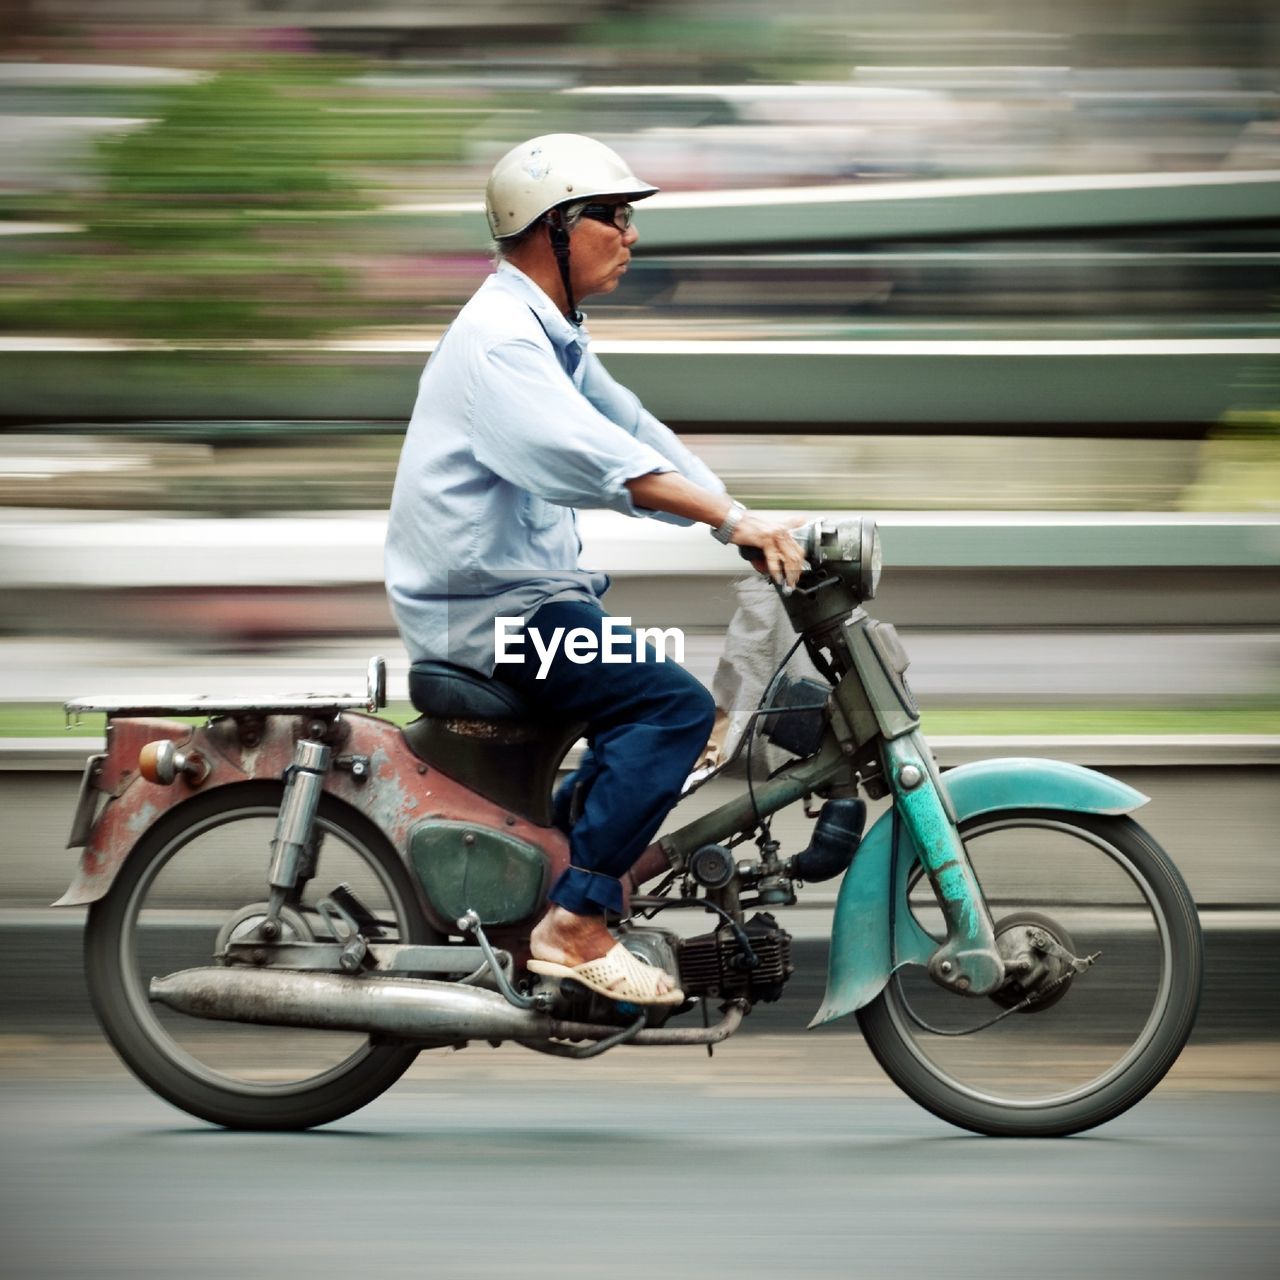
(364, 919)
(570, 989)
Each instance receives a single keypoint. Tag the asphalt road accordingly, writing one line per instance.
(756, 1164)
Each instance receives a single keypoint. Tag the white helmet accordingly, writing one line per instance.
(548, 171)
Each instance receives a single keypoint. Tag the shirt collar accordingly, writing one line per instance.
(557, 326)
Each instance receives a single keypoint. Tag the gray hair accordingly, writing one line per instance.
(572, 214)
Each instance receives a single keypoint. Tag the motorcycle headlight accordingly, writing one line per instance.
(851, 549)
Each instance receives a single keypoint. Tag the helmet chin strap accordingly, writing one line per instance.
(560, 247)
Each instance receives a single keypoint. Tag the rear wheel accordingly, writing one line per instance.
(195, 879)
(1055, 1051)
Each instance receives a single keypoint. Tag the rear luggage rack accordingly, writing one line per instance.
(375, 697)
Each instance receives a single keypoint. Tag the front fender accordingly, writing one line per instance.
(862, 954)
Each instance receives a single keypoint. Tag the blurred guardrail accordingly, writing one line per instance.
(1011, 385)
(939, 208)
(99, 575)
(1125, 373)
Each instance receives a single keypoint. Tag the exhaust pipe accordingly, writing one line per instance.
(408, 1008)
(414, 1009)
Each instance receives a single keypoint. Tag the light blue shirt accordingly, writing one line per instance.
(516, 423)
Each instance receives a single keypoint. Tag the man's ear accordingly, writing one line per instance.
(557, 232)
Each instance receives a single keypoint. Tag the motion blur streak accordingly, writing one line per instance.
(1005, 274)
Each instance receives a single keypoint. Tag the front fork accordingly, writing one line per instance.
(968, 961)
(876, 705)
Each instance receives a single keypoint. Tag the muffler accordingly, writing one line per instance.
(414, 1009)
(407, 1008)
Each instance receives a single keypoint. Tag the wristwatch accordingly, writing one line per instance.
(731, 521)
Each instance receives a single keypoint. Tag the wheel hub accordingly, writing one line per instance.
(1039, 959)
(240, 926)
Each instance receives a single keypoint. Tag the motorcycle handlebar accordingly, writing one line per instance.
(803, 534)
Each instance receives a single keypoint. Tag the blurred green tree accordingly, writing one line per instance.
(203, 210)
(226, 216)
(225, 154)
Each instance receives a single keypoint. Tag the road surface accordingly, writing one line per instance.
(779, 1157)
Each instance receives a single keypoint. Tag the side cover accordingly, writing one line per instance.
(466, 866)
(862, 957)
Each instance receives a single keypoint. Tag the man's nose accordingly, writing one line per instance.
(630, 235)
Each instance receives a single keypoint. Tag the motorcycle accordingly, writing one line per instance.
(290, 901)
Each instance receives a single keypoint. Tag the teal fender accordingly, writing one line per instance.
(862, 957)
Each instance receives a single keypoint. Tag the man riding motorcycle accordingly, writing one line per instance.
(516, 424)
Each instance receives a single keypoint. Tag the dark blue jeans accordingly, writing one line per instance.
(647, 724)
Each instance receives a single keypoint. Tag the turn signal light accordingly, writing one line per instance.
(162, 762)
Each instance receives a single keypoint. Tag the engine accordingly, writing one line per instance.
(716, 964)
(712, 965)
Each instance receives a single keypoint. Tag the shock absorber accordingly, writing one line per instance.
(303, 783)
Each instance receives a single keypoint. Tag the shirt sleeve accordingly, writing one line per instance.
(623, 407)
(531, 426)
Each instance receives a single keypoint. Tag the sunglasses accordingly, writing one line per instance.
(619, 215)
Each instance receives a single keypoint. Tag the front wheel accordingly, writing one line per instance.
(1053, 1053)
(197, 878)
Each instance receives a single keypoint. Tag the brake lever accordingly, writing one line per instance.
(825, 581)
(755, 553)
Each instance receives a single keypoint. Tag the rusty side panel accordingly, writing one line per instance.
(134, 805)
(402, 791)
(399, 792)
(125, 738)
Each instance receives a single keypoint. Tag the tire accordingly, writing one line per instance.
(1065, 1062)
(182, 882)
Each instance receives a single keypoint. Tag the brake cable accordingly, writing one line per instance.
(1026, 1002)
(762, 708)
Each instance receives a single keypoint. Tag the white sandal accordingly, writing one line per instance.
(618, 975)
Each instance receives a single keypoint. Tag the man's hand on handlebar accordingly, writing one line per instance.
(780, 554)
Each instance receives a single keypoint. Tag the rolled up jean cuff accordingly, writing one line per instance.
(587, 893)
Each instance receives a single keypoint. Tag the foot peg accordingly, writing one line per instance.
(346, 930)
(364, 919)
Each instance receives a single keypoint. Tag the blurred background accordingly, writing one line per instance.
(1004, 274)
(1016, 263)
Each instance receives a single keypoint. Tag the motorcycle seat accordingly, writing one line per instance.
(482, 733)
(443, 690)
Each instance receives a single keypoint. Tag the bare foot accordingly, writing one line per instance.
(565, 938)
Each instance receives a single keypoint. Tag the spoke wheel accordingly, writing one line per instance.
(195, 879)
(1061, 1053)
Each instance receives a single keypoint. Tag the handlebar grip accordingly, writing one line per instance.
(803, 534)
